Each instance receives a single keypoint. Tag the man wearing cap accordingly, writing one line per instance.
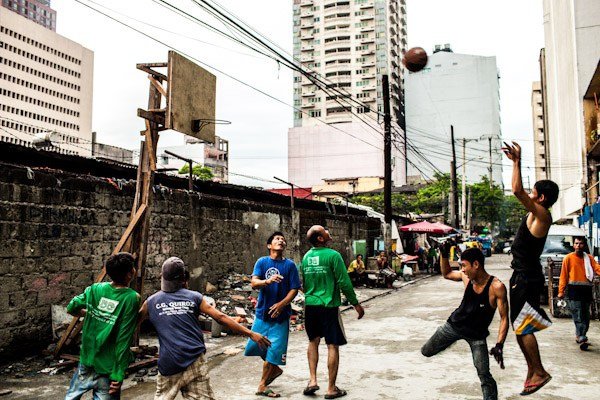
(174, 312)
(278, 280)
(324, 276)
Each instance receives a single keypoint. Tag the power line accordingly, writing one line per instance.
(221, 72)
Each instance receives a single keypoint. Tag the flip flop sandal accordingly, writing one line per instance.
(338, 393)
(272, 378)
(534, 387)
(268, 393)
(310, 390)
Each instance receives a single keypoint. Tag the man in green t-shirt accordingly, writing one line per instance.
(110, 310)
(324, 275)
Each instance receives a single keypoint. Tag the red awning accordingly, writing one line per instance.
(427, 227)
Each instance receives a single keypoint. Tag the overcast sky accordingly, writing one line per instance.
(512, 30)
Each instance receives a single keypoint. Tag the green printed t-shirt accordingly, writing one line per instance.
(324, 275)
(109, 324)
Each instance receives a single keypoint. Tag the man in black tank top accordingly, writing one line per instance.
(470, 321)
(527, 281)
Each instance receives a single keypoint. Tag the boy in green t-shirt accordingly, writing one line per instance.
(111, 311)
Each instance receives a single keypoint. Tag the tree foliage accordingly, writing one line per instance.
(486, 202)
(202, 172)
(490, 207)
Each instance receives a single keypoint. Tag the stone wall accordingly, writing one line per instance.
(57, 228)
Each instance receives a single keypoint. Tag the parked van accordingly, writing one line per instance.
(558, 244)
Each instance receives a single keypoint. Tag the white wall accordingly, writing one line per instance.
(463, 91)
(572, 51)
(329, 151)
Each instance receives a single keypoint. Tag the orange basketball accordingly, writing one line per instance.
(415, 59)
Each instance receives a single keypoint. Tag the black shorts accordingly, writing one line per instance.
(324, 322)
(526, 290)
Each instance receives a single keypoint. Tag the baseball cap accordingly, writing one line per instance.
(173, 274)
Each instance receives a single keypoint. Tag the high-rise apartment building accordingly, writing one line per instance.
(45, 86)
(572, 51)
(38, 11)
(348, 45)
(461, 90)
(539, 138)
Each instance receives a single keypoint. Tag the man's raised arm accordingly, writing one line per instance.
(513, 153)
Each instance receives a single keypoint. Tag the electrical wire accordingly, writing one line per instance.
(221, 72)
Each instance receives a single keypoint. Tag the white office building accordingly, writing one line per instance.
(45, 86)
(572, 51)
(349, 45)
(461, 90)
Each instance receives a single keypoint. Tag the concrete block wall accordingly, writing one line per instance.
(57, 229)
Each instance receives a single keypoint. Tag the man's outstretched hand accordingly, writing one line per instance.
(513, 152)
(445, 249)
(498, 354)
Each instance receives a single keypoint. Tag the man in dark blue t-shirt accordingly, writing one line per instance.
(174, 312)
(278, 281)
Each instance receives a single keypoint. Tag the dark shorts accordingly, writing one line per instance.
(325, 322)
(525, 293)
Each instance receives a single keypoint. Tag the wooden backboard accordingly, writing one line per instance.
(191, 98)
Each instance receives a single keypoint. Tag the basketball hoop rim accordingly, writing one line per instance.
(207, 121)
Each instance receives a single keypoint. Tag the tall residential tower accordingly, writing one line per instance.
(38, 11)
(45, 86)
(348, 45)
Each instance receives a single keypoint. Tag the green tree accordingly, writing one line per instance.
(202, 172)
(429, 199)
(487, 202)
(433, 198)
(511, 213)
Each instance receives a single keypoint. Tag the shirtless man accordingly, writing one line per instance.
(470, 321)
(527, 281)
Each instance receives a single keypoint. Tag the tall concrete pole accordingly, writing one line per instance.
(463, 203)
(387, 151)
(387, 162)
(453, 185)
(490, 150)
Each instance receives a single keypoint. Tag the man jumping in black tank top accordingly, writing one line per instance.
(527, 281)
(470, 321)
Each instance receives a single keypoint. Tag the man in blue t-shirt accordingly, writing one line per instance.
(174, 312)
(278, 281)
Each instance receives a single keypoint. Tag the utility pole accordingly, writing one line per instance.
(453, 185)
(387, 161)
(463, 203)
(491, 170)
(469, 210)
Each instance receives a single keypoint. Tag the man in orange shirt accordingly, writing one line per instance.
(576, 279)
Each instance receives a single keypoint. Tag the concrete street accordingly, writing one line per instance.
(382, 359)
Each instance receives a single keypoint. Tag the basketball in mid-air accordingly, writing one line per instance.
(415, 59)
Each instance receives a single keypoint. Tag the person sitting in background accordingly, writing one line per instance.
(356, 270)
(382, 261)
